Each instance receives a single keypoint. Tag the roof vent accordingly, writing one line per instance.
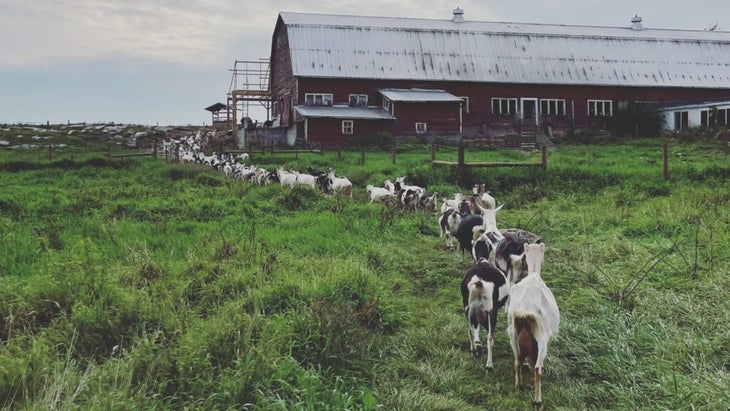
(636, 23)
(458, 15)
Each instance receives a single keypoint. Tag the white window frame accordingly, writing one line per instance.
(552, 107)
(504, 106)
(681, 120)
(318, 99)
(358, 100)
(421, 128)
(348, 127)
(386, 103)
(721, 118)
(600, 108)
(464, 104)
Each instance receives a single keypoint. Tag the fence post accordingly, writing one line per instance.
(50, 152)
(109, 152)
(433, 151)
(154, 148)
(666, 160)
(394, 153)
(339, 154)
(544, 157)
(362, 158)
(461, 167)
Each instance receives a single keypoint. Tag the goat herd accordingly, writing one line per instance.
(507, 263)
(506, 272)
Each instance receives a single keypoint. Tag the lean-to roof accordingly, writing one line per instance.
(362, 113)
(415, 95)
(335, 46)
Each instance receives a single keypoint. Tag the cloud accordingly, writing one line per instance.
(186, 32)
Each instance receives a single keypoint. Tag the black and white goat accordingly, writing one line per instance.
(484, 290)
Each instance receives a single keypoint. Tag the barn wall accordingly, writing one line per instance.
(328, 131)
(441, 118)
(283, 84)
(480, 118)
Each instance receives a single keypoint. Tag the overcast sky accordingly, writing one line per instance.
(163, 61)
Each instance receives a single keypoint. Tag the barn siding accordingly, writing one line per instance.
(441, 118)
(283, 82)
(328, 131)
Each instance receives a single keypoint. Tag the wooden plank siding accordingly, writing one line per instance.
(328, 131)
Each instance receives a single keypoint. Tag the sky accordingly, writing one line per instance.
(162, 62)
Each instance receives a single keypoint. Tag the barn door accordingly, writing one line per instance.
(528, 109)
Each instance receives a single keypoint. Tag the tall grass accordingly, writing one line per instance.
(138, 284)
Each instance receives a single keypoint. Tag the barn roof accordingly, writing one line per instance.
(418, 95)
(337, 46)
(346, 112)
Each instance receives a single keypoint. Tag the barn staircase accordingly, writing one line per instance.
(534, 138)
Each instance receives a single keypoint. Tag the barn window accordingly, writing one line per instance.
(360, 100)
(681, 120)
(723, 117)
(464, 105)
(317, 99)
(386, 103)
(274, 108)
(714, 117)
(600, 108)
(504, 106)
(347, 126)
(552, 107)
(420, 128)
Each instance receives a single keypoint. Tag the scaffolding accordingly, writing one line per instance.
(249, 85)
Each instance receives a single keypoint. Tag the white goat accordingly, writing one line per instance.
(340, 184)
(286, 178)
(378, 193)
(533, 318)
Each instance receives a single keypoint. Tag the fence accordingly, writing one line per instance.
(462, 165)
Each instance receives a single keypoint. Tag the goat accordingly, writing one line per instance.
(449, 221)
(473, 225)
(427, 201)
(482, 248)
(340, 184)
(484, 289)
(510, 247)
(286, 178)
(533, 319)
(306, 179)
(378, 193)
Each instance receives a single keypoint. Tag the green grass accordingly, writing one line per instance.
(141, 284)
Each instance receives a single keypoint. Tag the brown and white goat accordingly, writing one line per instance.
(533, 319)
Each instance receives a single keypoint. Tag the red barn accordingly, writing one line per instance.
(334, 77)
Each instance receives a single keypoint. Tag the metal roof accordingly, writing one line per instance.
(345, 112)
(442, 50)
(418, 95)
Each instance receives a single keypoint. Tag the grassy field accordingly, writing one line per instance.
(132, 283)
